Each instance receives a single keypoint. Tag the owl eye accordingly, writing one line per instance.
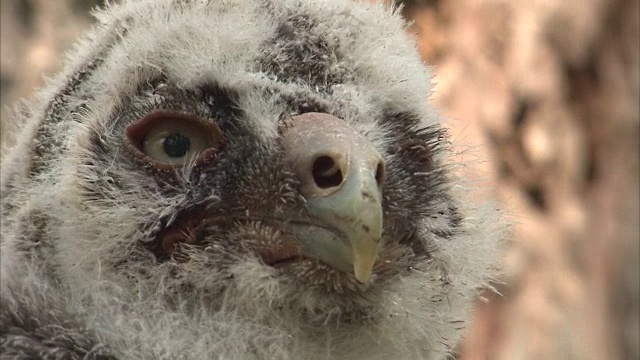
(170, 138)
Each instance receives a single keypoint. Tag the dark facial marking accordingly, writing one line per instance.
(57, 111)
(301, 52)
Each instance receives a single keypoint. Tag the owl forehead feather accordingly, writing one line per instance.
(302, 44)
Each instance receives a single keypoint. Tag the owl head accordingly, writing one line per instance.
(267, 171)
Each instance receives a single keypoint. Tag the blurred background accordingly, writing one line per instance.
(546, 94)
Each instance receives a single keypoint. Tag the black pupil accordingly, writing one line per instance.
(176, 145)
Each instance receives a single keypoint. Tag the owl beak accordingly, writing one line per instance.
(341, 174)
(355, 211)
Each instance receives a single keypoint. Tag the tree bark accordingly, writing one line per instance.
(549, 91)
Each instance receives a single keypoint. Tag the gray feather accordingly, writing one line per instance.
(83, 275)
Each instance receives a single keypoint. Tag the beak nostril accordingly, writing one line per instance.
(380, 174)
(326, 172)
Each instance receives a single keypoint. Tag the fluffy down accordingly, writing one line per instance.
(83, 275)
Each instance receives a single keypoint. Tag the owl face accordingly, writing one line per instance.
(317, 204)
(281, 152)
(241, 178)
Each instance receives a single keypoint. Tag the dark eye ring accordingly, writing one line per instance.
(169, 139)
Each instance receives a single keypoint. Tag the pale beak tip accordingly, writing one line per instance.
(362, 269)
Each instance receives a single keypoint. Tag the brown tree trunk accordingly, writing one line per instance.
(549, 91)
